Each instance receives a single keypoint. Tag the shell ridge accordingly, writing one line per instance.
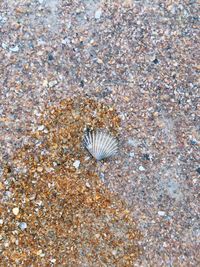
(105, 141)
(96, 144)
(108, 144)
(101, 152)
(111, 147)
(100, 144)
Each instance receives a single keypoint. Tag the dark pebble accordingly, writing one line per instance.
(146, 157)
(155, 61)
(198, 170)
(82, 83)
(50, 57)
(193, 142)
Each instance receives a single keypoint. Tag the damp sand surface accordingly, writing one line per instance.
(138, 58)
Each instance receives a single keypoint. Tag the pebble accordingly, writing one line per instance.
(141, 168)
(41, 128)
(132, 154)
(161, 213)
(14, 48)
(53, 260)
(50, 57)
(146, 157)
(40, 253)
(87, 185)
(1, 186)
(15, 211)
(22, 226)
(2, 19)
(1, 221)
(4, 46)
(45, 83)
(52, 83)
(39, 169)
(65, 41)
(8, 194)
(98, 14)
(198, 170)
(76, 164)
(6, 244)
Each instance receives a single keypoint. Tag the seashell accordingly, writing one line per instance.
(100, 144)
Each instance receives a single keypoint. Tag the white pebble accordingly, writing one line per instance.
(1, 221)
(98, 14)
(22, 226)
(52, 83)
(141, 168)
(14, 49)
(41, 128)
(161, 213)
(87, 185)
(76, 164)
(132, 154)
(15, 211)
(6, 244)
(4, 46)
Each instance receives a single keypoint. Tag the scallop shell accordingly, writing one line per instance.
(100, 144)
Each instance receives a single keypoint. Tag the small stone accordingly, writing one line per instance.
(1, 221)
(141, 168)
(198, 170)
(102, 176)
(114, 252)
(39, 169)
(132, 154)
(40, 253)
(2, 19)
(4, 46)
(52, 83)
(1, 186)
(161, 213)
(22, 226)
(193, 142)
(6, 244)
(76, 164)
(15, 211)
(45, 83)
(40, 53)
(99, 61)
(41, 128)
(82, 83)
(53, 260)
(165, 97)
(146, 157)
(65, 41)
(98, 14)
(8, 194)
(155, 61)
(87, 185)
(14, 48)
(50, 57)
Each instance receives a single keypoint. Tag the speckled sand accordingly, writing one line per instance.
(138, 58)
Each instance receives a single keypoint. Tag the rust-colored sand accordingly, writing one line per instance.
(71, 218)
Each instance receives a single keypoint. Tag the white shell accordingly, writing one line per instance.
(100, 144)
